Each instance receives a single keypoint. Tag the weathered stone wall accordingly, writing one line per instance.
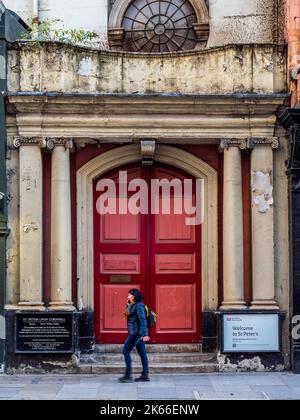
(242, 21)
(231, 21)
(65, 69)
(88, 14)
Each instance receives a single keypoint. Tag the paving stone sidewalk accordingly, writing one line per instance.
(261, 386)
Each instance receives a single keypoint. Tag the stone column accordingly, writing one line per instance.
(263, 258)
(233, 246)
(61, 246)
(31, 222)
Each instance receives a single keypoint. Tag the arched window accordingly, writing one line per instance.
(155, 26)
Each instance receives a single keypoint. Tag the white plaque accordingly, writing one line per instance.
(250, 333)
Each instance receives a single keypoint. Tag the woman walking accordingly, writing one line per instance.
(137, 336)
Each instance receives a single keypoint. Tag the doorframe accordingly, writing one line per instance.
(125, 155)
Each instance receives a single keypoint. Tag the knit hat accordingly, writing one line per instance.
(138, 297)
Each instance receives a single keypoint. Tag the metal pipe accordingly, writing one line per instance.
(35, 11)
(3, 203)
(11, 29)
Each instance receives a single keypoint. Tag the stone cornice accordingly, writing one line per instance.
(129, 118)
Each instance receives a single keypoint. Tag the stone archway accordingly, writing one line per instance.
(129, 154)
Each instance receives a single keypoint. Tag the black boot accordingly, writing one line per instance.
(127, 378)
(143, 378)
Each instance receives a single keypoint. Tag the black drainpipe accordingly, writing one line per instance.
(11, 27)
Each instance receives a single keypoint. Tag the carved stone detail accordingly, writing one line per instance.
(54, 142)
(226, 143)
(148, 151)
(115, 37)
(260, 141)
(29, 141)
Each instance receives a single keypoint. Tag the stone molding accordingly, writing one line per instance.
(174, 119)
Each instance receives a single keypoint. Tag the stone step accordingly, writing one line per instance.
(166, 368)
(153, 348)
(159, 358)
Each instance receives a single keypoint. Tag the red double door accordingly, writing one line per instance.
(156, 253)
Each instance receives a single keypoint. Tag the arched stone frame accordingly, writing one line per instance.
(116, 32)
(85, 231)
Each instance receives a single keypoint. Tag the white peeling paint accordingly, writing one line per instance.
(81, 305)
(85, 67)
(263, 189)
(2, 328)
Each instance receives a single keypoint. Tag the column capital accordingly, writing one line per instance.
(68, 144)
(273, 142)
(19, 141)
(226, 143)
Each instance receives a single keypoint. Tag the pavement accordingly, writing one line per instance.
(252, 386)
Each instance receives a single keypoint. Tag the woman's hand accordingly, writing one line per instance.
(146, 339)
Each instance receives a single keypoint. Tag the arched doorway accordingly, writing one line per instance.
(157, 253)
(129, 154)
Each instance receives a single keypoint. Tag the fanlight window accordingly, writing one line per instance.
(159, 26)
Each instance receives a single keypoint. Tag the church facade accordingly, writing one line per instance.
(186, 91)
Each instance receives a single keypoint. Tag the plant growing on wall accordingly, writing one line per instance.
(40, 32)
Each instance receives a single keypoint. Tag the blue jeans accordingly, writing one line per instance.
(131, 342)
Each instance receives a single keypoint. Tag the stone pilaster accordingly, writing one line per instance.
(61, 246)
(263, 260)
(233, 246)
(31, 222)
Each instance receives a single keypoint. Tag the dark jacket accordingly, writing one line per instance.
(137, 321)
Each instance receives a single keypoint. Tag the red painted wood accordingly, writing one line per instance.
(120, 250)
(175, 288)
(246, 165)
(160, 255)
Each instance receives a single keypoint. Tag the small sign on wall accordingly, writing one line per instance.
(44, 333)
(250, 333)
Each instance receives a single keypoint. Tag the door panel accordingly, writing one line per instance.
(159, 254)
(120, 264)
(178, 315)
(112, 308)
(175, 270)
(117, 228)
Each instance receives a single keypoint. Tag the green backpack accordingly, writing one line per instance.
(150, 316)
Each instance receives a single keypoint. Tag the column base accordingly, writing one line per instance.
(31, 306)
(257, 305)
(239, 304)
(61, 306)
